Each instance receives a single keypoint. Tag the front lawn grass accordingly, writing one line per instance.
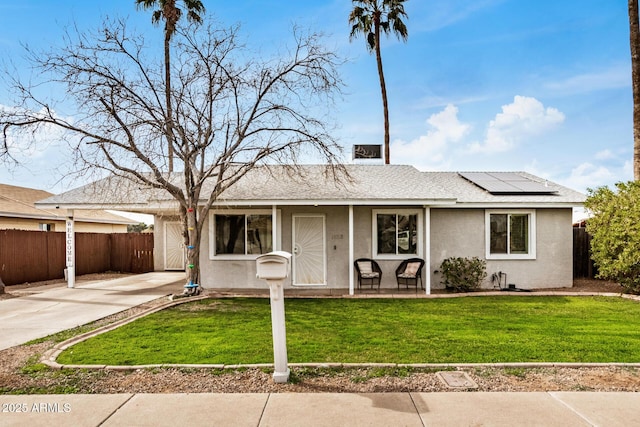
(450, 330)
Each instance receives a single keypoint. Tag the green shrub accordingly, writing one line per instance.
(463, 274)
(615, 230)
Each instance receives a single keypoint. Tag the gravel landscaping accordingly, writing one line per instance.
(20, 372)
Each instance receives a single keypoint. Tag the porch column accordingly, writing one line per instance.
(351, 257)
(427, 249)
(274, 228)
(70, 250)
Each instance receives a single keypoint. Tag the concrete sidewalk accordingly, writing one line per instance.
(564, 409)
(53, 310)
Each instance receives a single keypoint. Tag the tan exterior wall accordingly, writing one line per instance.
(92, 227)
(461, 233)
(80, 227)
(25, 224)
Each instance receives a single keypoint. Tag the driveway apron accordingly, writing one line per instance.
(35, 316)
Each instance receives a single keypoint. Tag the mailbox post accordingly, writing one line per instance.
(274, 267)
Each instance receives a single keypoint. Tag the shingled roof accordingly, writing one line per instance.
(317, 184)
(466, 193)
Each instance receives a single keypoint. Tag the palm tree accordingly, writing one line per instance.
(634, 36)
(170, 13)
(370, 17)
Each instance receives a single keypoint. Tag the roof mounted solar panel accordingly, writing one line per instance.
(506, 183)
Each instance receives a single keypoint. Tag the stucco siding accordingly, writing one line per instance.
(241, 272)
(454, 233)
(461, 233)
(86, 227)
(27, 224)
(80, 227)
(553, 266)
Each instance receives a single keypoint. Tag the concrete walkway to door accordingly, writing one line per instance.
(40, 314)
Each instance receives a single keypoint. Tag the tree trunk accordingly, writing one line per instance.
(192, 235)
(634, 38)
(383, 89)
(169, 118)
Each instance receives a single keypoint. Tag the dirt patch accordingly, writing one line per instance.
(18, 373)
(594, 285)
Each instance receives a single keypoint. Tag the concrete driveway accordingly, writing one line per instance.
(53, 310)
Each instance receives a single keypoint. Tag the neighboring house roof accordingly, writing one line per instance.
(315, 184)
(18, 202)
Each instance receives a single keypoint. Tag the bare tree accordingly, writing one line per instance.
(232, 111)
(634, 39)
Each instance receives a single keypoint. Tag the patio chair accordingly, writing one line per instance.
(409, 272)
(369, 272)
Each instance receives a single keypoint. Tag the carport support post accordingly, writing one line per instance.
(70, 250)
(281, 371)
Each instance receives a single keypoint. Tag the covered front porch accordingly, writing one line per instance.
(325, 241)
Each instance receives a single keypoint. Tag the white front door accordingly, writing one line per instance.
(174, 250)
(309, 251)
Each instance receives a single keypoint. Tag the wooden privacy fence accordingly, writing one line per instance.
(583, 265)
(31, 256)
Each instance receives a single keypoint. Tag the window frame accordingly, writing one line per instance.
(419, 233)
(246, 212)
(531, 252)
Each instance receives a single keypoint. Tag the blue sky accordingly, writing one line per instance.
(541, 86)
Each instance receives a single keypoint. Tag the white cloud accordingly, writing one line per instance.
(429, 151)
(26, 144)
(604, 155)
(627, 171)
(587, 174)
(438, 15)
(523, 118)
(614, 77)
(590, 175)
(39, 156)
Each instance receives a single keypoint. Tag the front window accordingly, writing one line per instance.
(243, 234)
(510, 235)
(396, 233)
